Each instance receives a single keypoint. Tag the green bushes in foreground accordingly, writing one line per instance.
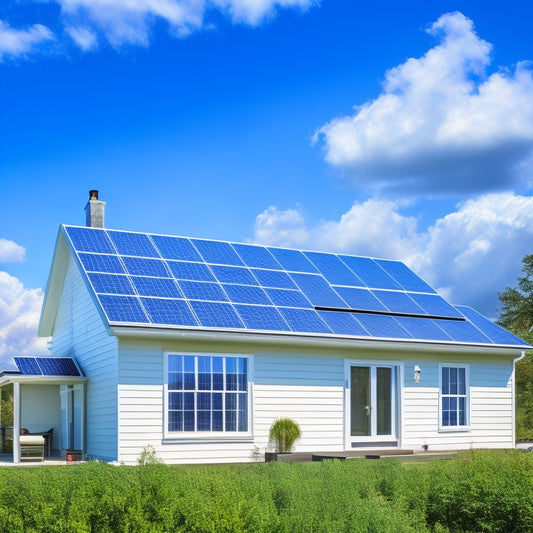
(478, 491)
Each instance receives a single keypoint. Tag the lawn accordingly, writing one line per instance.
(477, 491)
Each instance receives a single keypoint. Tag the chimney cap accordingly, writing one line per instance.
(93, 195)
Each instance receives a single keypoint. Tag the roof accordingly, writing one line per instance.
(39, 370)
(161, 281)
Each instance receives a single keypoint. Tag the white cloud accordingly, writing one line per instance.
(130, 21)
(441, 124)
(469, 255)
(83, 37)
(19, 316)
(15, 43)
(11, 252)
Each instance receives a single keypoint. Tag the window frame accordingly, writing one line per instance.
(195, 436)
(458, 427)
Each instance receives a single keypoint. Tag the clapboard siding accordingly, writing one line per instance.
(80, 332)
(491, 409)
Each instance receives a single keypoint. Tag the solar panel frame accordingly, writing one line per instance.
(360, 299)
(261, 317)
(342, 323)
(304, 320)
(398, 302)
(288, 298)
(293, 260)
(120, 308)
(28, 366)
(370, 273)
(142, 266)
(203, 290)
(382, 326)
(169, 311)
(246, 294)
(404, 276)
(256, 256)
(217, 315)
(190, 271)
(233, 274)
(111, 284)
(273, 279)
(158, 287)
(318, 290)
(57, 366)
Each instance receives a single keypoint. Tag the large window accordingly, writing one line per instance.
(207, 393)
(454, 397)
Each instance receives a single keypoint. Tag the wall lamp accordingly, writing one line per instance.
(417, 374)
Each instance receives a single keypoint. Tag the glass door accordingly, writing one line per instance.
(372, 403)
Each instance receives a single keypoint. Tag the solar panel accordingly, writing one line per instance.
(137, 244)
(318, 291)
(496, 333)
(370, 273)
(176, 248)
(201, 290)
(163, 287)
(333, 269)
(57, 366)
(90, 240)
(404, 276)
(256, 256)
(163, 311)
(262, 318)
(304, 320)
(47, 366)
(288, 298)
(343, 323)
(231, 274)
(246, 294)
(293, 260)
(216, 315)
(28, 366)
(101, 263)
(111, 284)
(217, 252)
(139, 266)
(191, 271)
(122, 308)
(361, 299)
(398, 302)
(175, 281)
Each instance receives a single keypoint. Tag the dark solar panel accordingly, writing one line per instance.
(27, 366)
(47, 366)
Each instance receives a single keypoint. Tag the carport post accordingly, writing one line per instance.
(16, 422)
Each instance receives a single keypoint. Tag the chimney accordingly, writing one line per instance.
(94, 211)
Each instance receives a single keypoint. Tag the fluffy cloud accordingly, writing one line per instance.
(83, 37)
(129, 21)
(441, 124)
(468, 255)
(19, 316)
(11, 252)
(16, 43)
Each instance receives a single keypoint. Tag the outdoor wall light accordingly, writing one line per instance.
(417, 374)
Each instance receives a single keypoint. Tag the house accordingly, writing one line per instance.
(196, 346)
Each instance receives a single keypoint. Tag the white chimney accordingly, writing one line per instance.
(94, 211)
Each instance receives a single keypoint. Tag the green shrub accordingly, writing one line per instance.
(284, 432)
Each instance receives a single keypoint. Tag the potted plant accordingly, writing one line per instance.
(284, 432)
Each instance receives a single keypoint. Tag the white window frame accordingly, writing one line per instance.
(467, 395)
(195, 436)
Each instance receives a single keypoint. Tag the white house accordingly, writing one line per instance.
(196, 346)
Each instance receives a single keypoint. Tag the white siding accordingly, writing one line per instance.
(491, 409)
(80, 332)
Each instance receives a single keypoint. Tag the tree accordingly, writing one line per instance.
(516, 315)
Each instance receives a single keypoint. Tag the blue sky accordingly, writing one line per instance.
(396, 130)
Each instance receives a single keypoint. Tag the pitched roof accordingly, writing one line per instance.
(161, 281)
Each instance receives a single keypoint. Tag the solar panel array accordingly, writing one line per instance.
(159, 280)
(47, 366)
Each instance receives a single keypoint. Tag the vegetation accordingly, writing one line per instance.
(478, 491)
(284, 432)
(6, 406)
(516, 315)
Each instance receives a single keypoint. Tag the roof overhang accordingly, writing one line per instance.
(41, 380)
(313, 341)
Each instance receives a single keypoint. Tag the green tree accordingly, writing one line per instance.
(516, 315)
(6, 406)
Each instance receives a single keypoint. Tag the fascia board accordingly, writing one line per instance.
(301, 341)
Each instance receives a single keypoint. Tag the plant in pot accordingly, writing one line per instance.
(284, 432)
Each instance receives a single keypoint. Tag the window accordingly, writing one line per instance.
(454, 397)
(207, 393)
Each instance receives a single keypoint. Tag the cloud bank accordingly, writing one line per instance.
(467, 255)
(441, 124)
(87, 23)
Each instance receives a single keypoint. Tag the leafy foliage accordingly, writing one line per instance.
(516, 315)
(478, 491)
(284, 432)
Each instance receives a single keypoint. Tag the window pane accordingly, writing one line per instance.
(188, 422)
(217, 421)
(175, 421)
(384, 399)
(204, 381)
(188, 361)
(204, 421)
(453, 380)
(204, 400)
(461, 385)
(231, 420)
(231, 381)
(175, 381)
(445, 381)
(175, 363)
(188, 401)
(462, 411)
(175, 400)
(189, 381)
(217, 402)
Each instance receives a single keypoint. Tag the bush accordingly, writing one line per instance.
(478, 491)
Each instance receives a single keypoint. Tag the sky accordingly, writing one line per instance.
(399, 130)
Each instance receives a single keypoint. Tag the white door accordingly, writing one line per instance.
(371, 404)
